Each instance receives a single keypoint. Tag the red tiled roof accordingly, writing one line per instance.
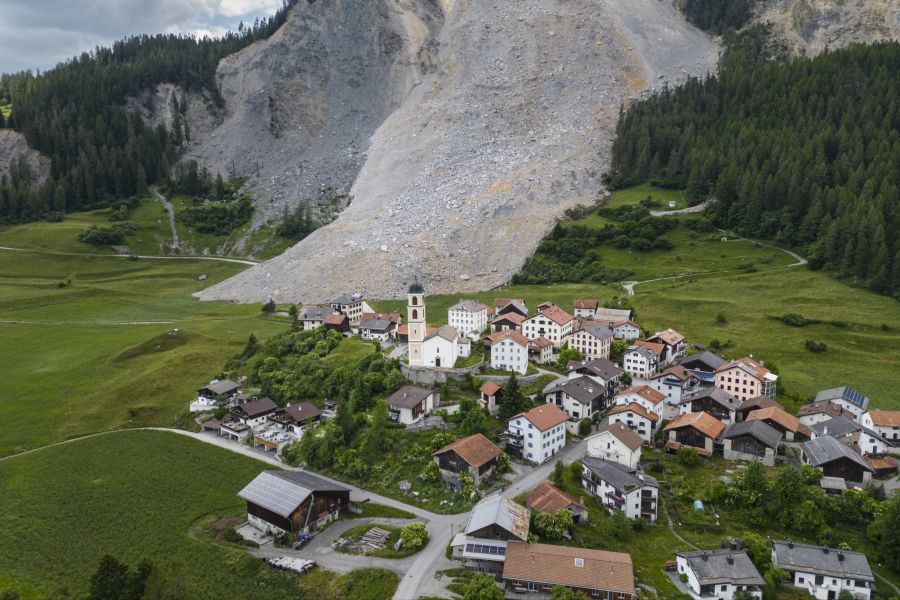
(515, 318)
(657, 348)
(573, 567)
(547, 498)
(636, 408)
(773, 413)
(644, 391)
(544, 416)
(476, 449)
(554, 313)
(703, 422)
(585, 303)
(885, 418)
(489, 387)
(507, 333)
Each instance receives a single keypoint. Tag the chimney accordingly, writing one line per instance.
(826, 549)
(730, 559)
(705, 555)
(840, 556)
(790, 543)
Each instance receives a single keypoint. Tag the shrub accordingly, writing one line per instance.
(414, 535)
(815, 346)
(269, 307)
(688, 457)
(107, 236)
(721, 319)
(584, 426)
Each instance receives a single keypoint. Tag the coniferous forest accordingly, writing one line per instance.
(75, 115)
(805, 152)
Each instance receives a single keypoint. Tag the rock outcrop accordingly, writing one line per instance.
(497, 116)
(13, 146)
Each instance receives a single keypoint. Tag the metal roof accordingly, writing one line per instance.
(821, 560)
(408, 396)
(221, 387)
(376, 324)
(601, 367)
(497, 510)
(620, 476)
(825, 449)
(845, 393)
(761, 430)
(283, 491)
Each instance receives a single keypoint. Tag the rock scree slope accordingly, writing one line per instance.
(496, 116)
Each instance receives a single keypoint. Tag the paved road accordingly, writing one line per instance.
(684, 211)
(240, 261)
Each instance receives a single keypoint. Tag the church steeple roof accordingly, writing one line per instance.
(416, 287)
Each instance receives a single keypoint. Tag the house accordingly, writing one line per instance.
(719, 574)
(674, 383)
(293, 502)
(626, 330)
(510, 320)
(673, 342)
(509, 351)
(475, 455)
(494, 523)
(650, 399)
(410, 403)
(547, 498)
(845, 397)
(637, 418)
(703, 362)
(751, 440)
(504, 306)
(536, 568)
(789, 425)
(255, 412)
(619, 487)
(835, 459)
(585, 308)
(469, 317)
(296, 418)
(592, 341)
(642, 359)
(824, 572)
(714, 401)
(444, 346)
(311, 317)
(816, 412)
(859, 437)
(377, 327)
(538, 434)
(350, 305)
(885, 422)
(608, 316)
(550, 322)
(616, 442)
(540, 350)
(491, 395)
(751, 404)
(216, 393)
(746, 378)
(601, 370)
(338, 322)
(698, 430)
(580, 398)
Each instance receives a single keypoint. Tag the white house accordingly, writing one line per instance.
(824, 572)
(493, 522)
(579, 397)
(617, 443)
(626, 330)
(637, 418)
(644, 395)
(585, 308)
(816, 412)
(550, 322)
(469, 317)
(885, 422)
(443, 346)
(592, 341)
(674, 383)
(845, 397)
(851, 433)
(719, 574)
(509, 351)
(540, 350)
(378, 327)
(642, 359)
(410, 404)
(746, 378)
(351, 305)
(311, 317)
(539, 433)
(672, 341)
(619, 487)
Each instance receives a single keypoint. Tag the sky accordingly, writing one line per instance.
(37, 34)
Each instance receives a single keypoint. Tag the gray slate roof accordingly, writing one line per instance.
(713, 567)
(598, 331)
(845, 564)
(707, 359)
(720, 396)
(583, 389)
(449, 333)
(823, 450)
(841, 426)
(314, 313)
(846, 393)
(619, 476)
(376, 324)
(283, 491)
(497, 510)
(645, 351)
(226, 386)
(408, 396)
(256, 408)
(761, 430)
(347, 299)
(603, 368)
(472, 306)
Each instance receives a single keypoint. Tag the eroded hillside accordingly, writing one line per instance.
(499, 116)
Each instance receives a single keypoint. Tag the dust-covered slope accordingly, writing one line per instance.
(810, 26)
(512, 127)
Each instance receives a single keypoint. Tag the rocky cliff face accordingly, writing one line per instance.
(496, 116)
(810, 26)
(13, 146)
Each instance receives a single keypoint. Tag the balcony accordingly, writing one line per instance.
(613, 496)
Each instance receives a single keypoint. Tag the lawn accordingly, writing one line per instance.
(355, 533)
(95, 354)
(633, 195)
(136, 495)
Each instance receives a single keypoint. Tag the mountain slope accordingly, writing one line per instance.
(509, 126)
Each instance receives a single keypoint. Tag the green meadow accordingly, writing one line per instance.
(87, 344)
(144, 495)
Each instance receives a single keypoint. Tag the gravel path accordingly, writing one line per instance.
(170, 210)
(239, 261)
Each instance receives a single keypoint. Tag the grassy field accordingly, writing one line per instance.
(63, 508)
(95, 354)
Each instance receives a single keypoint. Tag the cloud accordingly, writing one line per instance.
(40, 33)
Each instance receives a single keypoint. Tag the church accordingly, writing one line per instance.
(439, 347)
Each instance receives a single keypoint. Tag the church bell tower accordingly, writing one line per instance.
(415, 319)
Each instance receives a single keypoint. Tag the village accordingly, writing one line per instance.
(663, 396)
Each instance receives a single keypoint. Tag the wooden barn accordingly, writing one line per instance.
(293, 502)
